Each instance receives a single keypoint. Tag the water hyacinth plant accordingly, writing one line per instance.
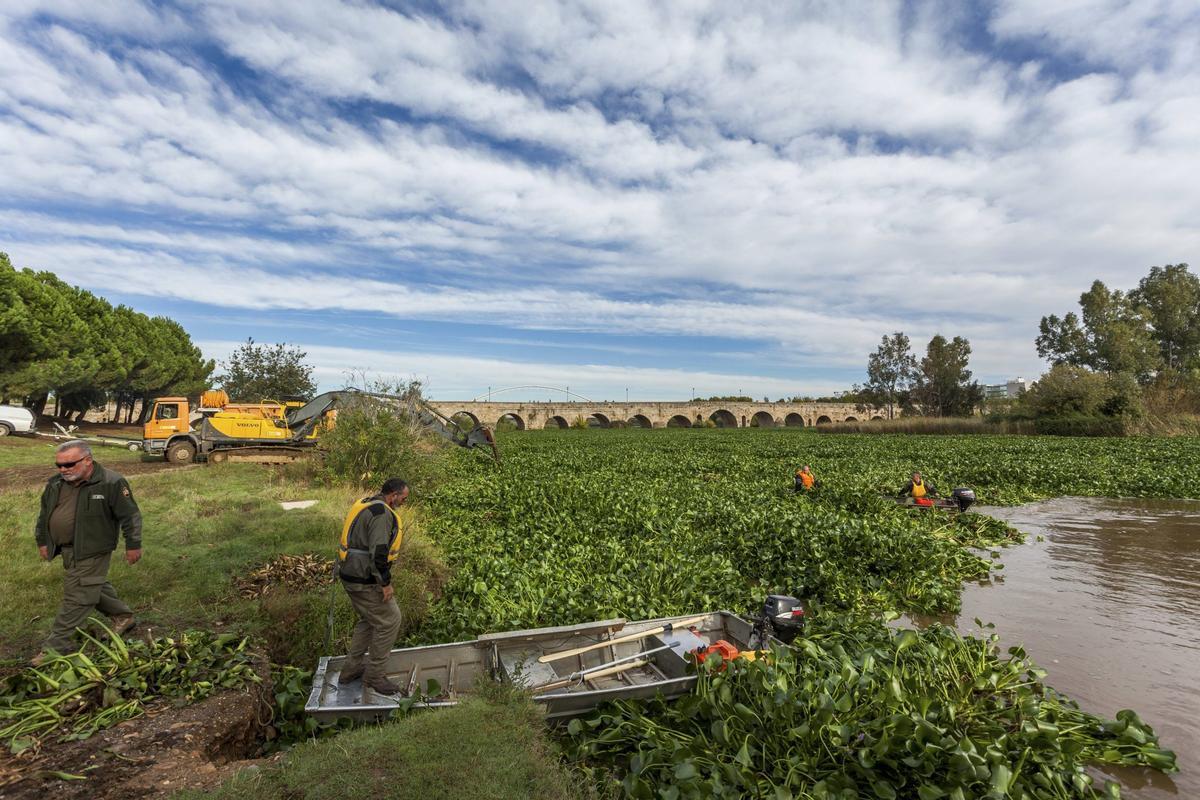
(855, 710)
(75, 695)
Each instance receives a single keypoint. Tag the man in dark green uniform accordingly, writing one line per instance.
(84, 507)
(371, 537)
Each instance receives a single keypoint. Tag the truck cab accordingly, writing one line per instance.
(169, 417)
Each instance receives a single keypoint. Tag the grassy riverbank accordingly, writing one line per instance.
(488, 748)
(204, 527)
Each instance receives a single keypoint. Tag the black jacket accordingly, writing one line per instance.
(105, 508)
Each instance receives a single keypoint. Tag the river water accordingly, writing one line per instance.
(1109, 604)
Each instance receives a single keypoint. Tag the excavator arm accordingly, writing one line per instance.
(478, 436)
(305, 418)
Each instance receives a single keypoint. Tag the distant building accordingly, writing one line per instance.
(1001, 391)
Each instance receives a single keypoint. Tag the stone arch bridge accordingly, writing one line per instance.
(537, 415)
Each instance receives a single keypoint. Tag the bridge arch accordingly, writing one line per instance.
(464, 419)
(723, 418)
(876, 417)
(793, 420)
(511, 419)
(851, 419)
(556, 423)
(640, 421)
(823, 420)
(762, 419)
(679, 421)
(598, 420)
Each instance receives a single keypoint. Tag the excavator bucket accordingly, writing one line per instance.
(481, 436)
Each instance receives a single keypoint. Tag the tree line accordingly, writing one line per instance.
(937, 385)
(62, 340)
(1124, 353)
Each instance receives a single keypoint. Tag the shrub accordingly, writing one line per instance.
(1067, 391)
(1082, 425)
(374, 440)
(1173, 392)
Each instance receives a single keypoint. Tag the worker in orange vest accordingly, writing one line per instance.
(805, 480)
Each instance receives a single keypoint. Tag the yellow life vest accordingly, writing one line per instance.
(351, 515)
(918, 489)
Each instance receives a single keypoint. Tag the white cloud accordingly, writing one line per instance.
(449, 377)
(1130, 33)
(799, 176)
(803, 332)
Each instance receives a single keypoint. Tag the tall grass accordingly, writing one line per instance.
(932, 425)
(1148, 425)
(484, 749)
(1167, 425)
(203, 527)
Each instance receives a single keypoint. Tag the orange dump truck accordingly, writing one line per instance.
(218, 430)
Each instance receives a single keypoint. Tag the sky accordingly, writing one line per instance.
(644, 199)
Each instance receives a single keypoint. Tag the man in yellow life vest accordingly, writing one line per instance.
(805, 480)
(920, 490)
(370, 542)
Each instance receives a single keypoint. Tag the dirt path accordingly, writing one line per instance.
(34, 476)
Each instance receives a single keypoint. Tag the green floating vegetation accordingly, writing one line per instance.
(75, 695)
(584, 525)
(856, 710)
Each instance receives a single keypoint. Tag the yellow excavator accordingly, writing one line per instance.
(272, 431)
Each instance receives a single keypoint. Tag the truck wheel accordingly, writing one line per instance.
(134, 447)
(181, 453)
(5, 430)
(218, 456)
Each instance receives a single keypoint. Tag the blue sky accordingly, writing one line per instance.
(708, 196)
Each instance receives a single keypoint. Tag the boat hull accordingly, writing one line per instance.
(512, 657)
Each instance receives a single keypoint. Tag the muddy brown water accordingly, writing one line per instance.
(1109, 604)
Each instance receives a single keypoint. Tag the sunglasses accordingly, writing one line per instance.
(68, 464)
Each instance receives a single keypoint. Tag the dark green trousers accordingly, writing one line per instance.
(85, 589)
(375, 634)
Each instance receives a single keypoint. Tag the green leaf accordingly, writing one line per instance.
(686, 771)
(1001, 779)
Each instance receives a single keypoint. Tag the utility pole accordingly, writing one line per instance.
(626, 394)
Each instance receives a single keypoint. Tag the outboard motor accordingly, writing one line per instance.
(964, 497)
(782, 617)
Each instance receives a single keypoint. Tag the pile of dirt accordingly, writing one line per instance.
(294, 573)
(167, 749)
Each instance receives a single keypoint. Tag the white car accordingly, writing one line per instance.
(15, 419)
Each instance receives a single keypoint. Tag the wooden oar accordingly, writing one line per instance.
(545, 687)
(585, 673)
(632, 637)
